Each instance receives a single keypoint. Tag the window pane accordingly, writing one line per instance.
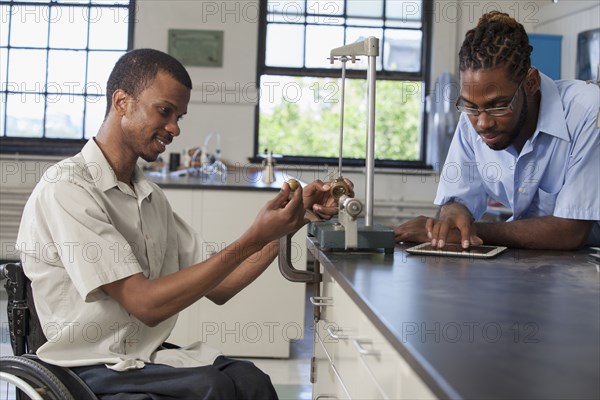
(365, 8)
(107, 30)
(285, 45)
(69, 28)
(290, 107)
(287, 18)
(286, 6)
(100, 65)
(398, 121)
(402, 50)
(294, 106)
(404, 10)
(364, 22)
(25, 115)
(329, 11)
(319, 42)
(94, 114)
(354, 35)
(2, 113)
(64, 117)
(403, 24)
(66, 72)
(4, 18)
(29, 26)
(27, 70)
(74, 1)
(3, 65)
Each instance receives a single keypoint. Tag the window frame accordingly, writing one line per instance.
(55, 146)
(422, 76)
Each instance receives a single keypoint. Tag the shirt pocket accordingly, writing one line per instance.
(543, 203)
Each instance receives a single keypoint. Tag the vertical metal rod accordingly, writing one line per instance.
(344, 59)
(370, 160)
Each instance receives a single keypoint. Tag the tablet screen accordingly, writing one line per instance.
(455, 249)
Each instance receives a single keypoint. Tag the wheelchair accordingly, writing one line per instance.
(32, 377)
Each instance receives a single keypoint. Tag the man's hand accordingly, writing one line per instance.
(454, 220)
(413, 230)
(317, 198)
(454, 226)
(280, 216)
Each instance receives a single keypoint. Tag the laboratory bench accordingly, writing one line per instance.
(523, 325)
(247, 179)
(263, 319)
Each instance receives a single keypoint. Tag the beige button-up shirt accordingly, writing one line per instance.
(81, 229)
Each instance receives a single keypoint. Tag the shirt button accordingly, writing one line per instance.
(520, 190)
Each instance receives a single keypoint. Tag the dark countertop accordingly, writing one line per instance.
(524, 325)
(235, 179)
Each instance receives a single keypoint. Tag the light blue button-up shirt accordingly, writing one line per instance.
(557, 172)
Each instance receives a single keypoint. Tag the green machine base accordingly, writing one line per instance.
(330, 235)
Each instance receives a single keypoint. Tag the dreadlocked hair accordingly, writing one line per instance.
(497, 40)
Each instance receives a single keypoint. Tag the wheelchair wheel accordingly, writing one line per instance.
(32, 378)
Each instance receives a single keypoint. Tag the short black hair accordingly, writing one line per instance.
(136, 70)
(497, 40)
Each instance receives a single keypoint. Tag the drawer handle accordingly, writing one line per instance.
(358, 343)
(325, 396)
(321, 301)
(335, 333)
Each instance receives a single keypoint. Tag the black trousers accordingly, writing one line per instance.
(225, 379)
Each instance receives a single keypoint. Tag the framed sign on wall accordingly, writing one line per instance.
(196, 48)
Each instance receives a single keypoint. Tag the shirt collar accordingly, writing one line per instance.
(551, 118)
(143, 188)
(103, 175)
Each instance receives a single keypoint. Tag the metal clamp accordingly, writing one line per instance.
(285, 263)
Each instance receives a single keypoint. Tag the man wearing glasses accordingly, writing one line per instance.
(523, 140)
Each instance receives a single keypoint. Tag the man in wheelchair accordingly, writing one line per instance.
(111, 265)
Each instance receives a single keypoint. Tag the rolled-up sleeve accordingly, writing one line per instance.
(579, 197)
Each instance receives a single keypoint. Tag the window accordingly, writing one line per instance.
(298, 114)
(55, 58)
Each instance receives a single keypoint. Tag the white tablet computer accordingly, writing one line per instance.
(456, 250)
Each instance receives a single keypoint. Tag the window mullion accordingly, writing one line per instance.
(45, 91)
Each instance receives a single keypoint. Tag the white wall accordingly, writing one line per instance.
(568, 18)
(216, 105)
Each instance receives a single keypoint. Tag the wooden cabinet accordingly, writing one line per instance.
(352, 359)
(262, 319)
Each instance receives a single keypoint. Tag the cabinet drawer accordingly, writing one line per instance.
(327, 383)
(368, 366)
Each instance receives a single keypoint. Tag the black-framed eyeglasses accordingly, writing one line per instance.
(495, 111)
